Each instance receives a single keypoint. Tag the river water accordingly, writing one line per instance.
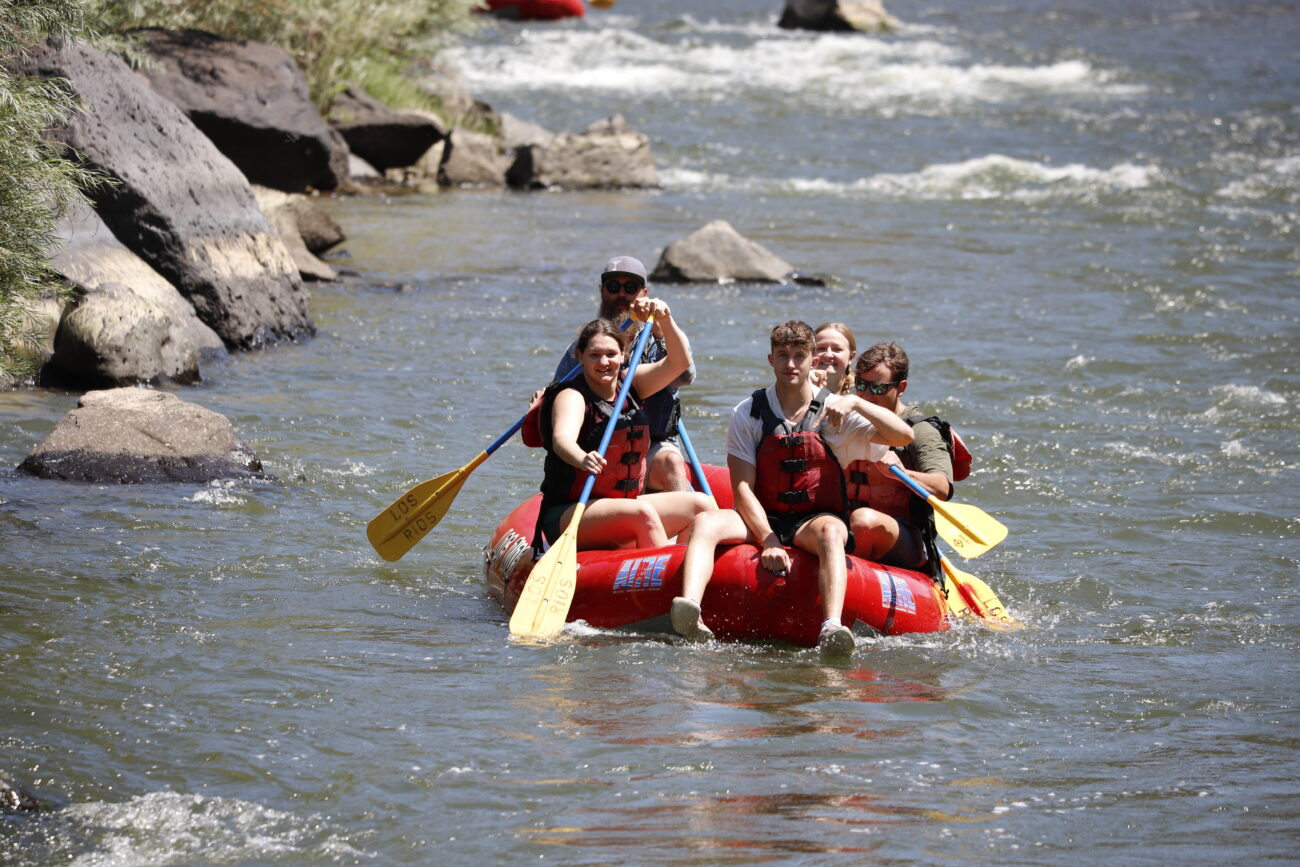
(1081, 220)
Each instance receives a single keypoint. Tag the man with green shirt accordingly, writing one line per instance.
(889, 523)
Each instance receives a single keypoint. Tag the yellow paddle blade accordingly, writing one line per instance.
(601, 4)
(957, 606)
(543, 605)
(980, 597)
(409, 519)
(968, 529)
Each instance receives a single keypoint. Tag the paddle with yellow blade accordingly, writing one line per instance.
(978, 598)
(409, 519)
(544, 602)
(983, 531)
(695, 462)
(968, 529)
(601, 4)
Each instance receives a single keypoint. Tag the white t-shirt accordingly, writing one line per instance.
(852, 442)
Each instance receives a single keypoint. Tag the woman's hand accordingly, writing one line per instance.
(593, 463)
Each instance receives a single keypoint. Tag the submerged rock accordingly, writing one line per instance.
(177, 202)
(252, 101)
(133, 435)
(718, 253)
(15, 799)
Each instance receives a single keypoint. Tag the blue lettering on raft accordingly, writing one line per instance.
(895, 592)
(642, 573)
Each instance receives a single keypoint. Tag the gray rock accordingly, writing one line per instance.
(252, 100)
(133, 435)
(128, 324)
(319, 231)
(39, 318)
(605, 155)
(280, 209)
(178, 203)
(717, 253)
(865, 15)
(517, 133)
(473, 159)
(359, 169)
(383, 137)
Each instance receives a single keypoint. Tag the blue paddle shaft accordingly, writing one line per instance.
(618, 404)
(910, 482)
(695, 462)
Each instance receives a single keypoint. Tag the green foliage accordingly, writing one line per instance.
(35, 180)
(337, 42)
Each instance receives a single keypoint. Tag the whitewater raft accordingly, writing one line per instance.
(633, 588)
(536, 10)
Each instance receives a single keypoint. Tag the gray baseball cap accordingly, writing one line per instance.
(625, 265)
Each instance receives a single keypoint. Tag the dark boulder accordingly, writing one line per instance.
(133, 435)
(252, 100)
(177, 202)
(717, 253)
(865, 15)
(383, 137)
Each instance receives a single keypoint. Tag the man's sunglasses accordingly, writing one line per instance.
(627, 287)
(874, 387)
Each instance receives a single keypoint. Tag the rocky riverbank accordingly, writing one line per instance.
(208, 237)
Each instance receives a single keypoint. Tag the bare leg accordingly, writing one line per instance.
(826, 536)
(711, 529)
(668, 472)
(708, 531)
(874, 533)
(677, 510)
(611, 523)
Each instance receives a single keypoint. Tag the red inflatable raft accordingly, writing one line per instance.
(537, 10)
(633, 588)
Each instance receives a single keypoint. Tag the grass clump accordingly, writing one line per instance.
(337, 43)
(36, 181)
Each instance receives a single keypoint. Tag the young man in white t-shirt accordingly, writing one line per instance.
(797, 426)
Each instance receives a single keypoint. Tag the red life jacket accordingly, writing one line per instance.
(795, 470)
(625, 468)
(869, 483)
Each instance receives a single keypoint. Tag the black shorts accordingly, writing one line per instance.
(786, 526)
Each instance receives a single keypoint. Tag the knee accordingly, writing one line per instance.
(864, 520)
(707, 527)
(832, 534)
(669, 462)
